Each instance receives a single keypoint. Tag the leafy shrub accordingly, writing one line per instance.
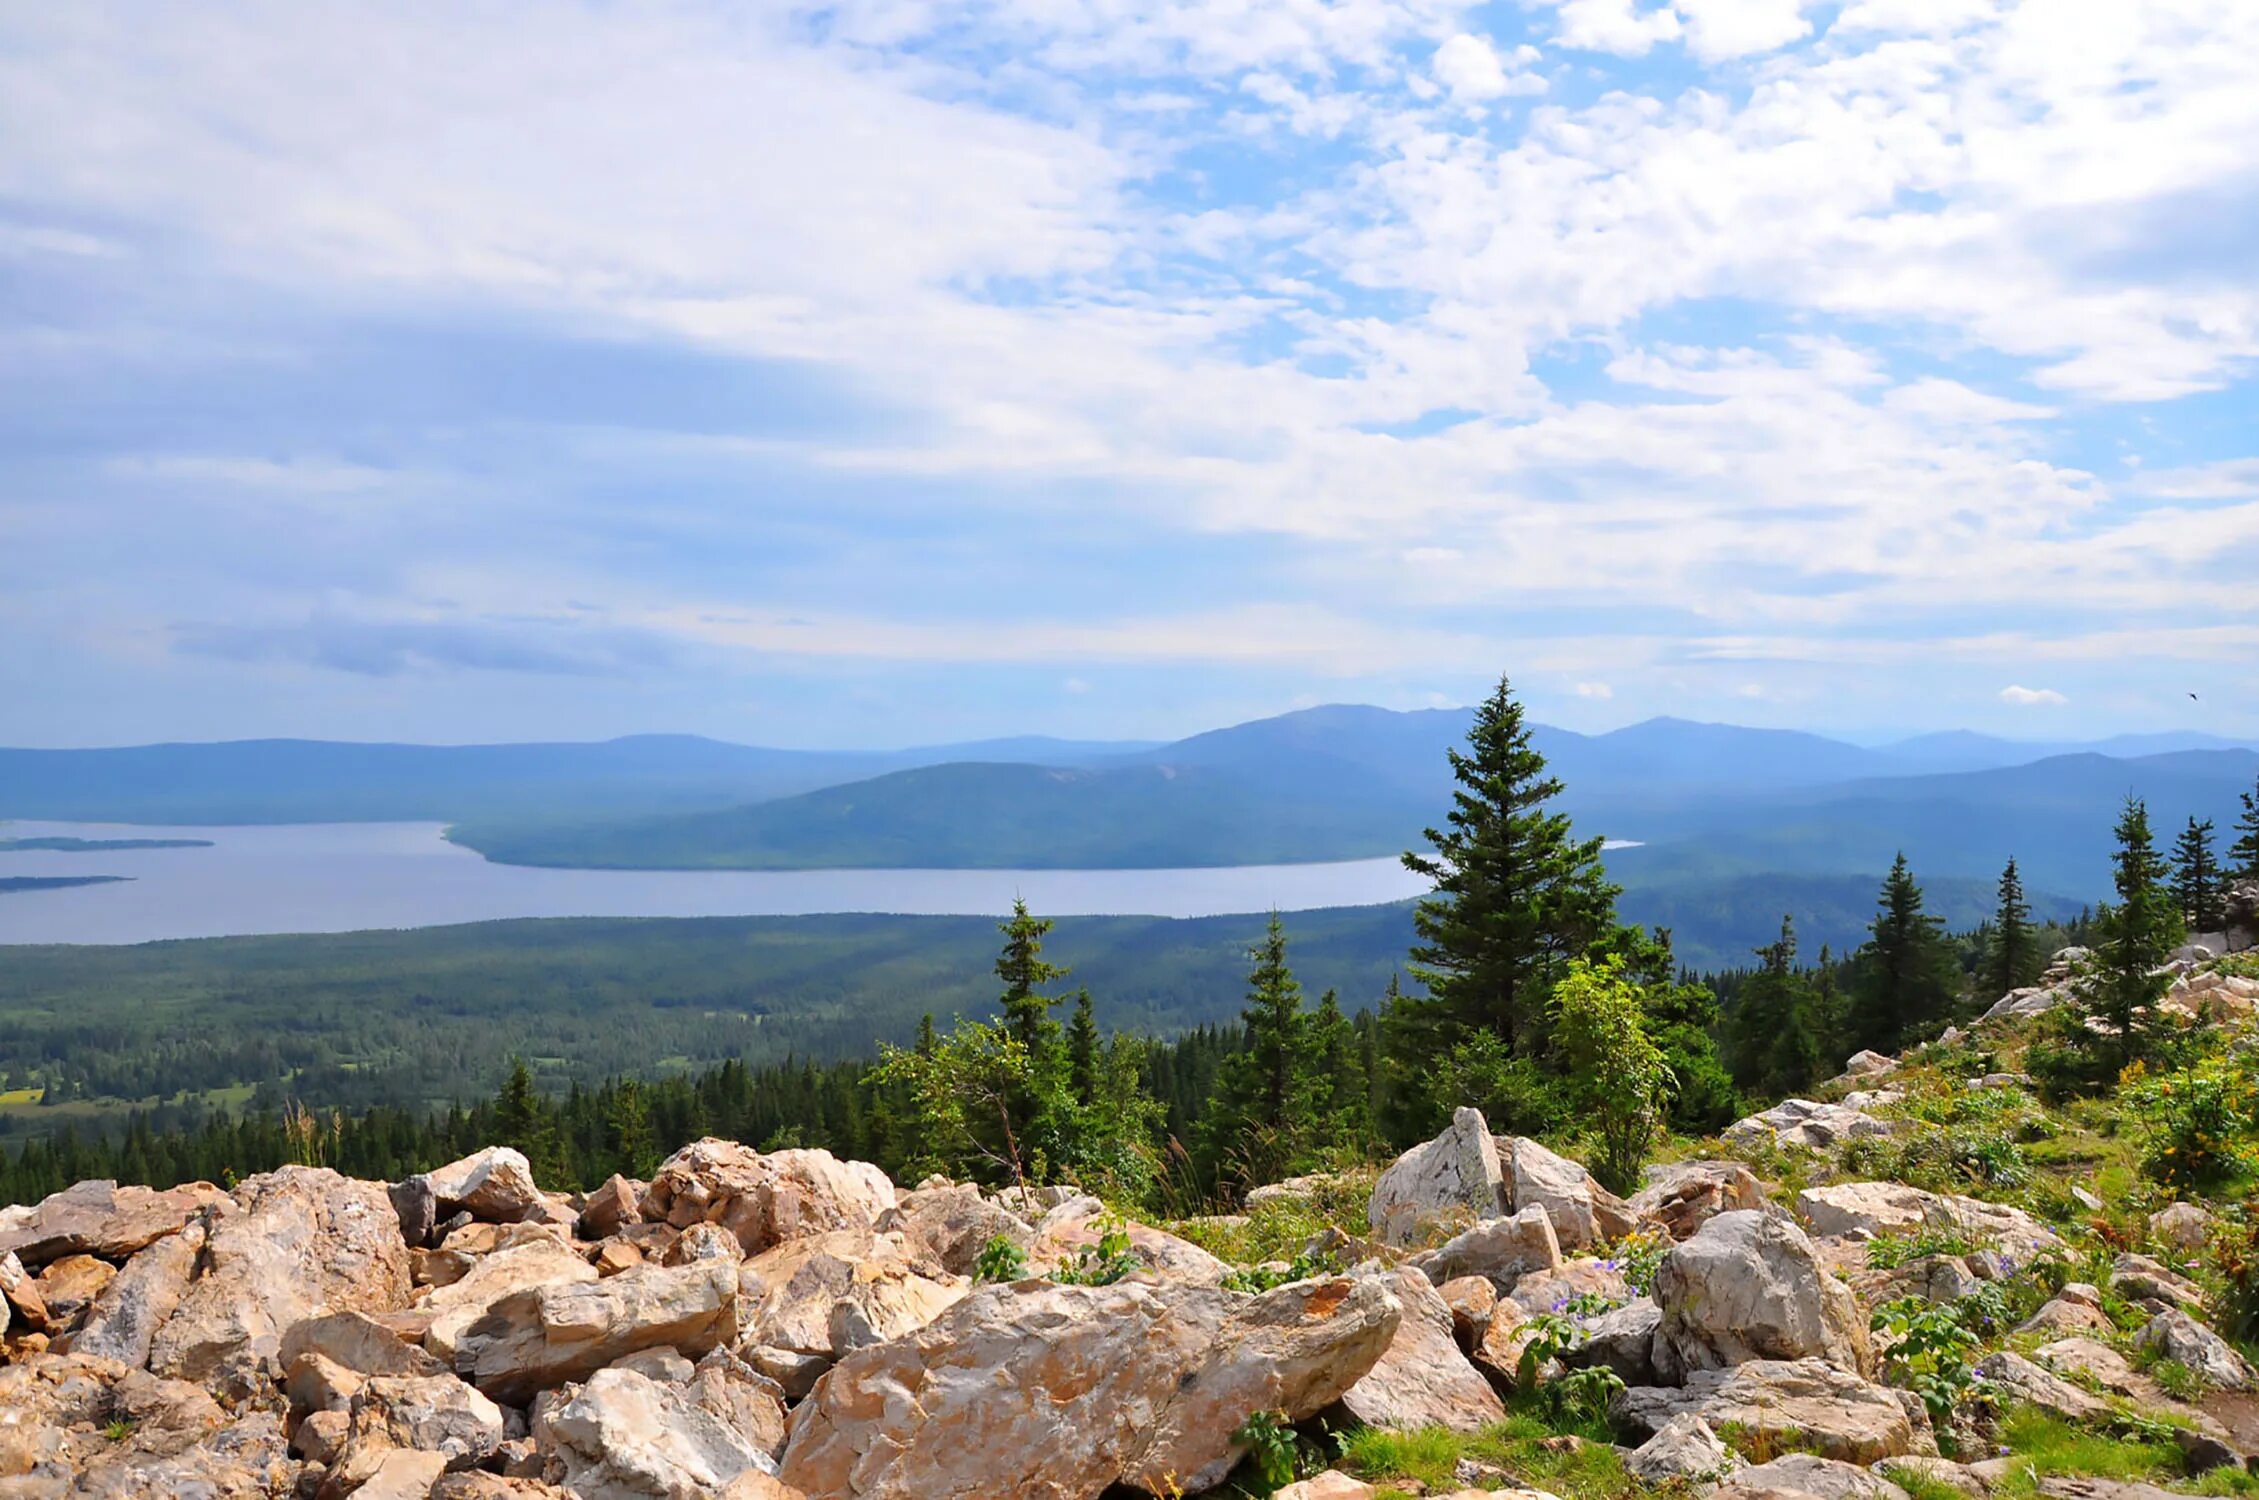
(1887, 1252)
(1639, 1255)
(2198, 1123)
(1929, 1353)
(1104, 1263)
(1261, 1278)
(1274, 1450)
(1000, 1260)
(2236, 1253)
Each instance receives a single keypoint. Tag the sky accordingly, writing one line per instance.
(880, 373)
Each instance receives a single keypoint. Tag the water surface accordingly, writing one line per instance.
(346, 877)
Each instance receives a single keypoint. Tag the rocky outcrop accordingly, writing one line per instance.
(495, 1185)
(542, 1338)
(538, 1261)
(2182, 1226)
(1806, 1474)
(625, 1436)
(1501, 1250)
(302, 1241)
(2028, 1384)
(1071, 1228)
(1583, 1212)
(1422, 1380)
(1684, 1448)
(765, 1200)
(829, 1293)
(1892, 1208)
(1452, 1180)
(2173, 1334)
(1781, 1404)
(102, 1219)
(1681, 1197)
(1750, 1287)
(950, 1225)
(1803, 1122)
(123, 1323)
(1082, 1386)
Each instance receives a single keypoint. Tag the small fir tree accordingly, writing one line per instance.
(2012, 956)
(1908, 978)
(2243, 854)
(1262, 1117)
(2196, 883)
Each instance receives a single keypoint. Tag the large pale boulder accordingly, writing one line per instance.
(1684, 1448)
(1423, 1379)
(1454, 1179)
(1583, 1212)
(2074, 1312)
(2173, 1334)
(1782, 1403)
(495, 1185)
(1551, 1290)
(1071, 1228)
(2182, 1227)
(540, 1261)
(1893, 1208)
(2153, 1284)
(951, 1225)
(1070, 1389)
(2092, 1360)
(1748, 1286)
(103, 1219)
(624, 1436)
(1803, 1122)
(1621, 1339)
(303, 1241)
(1502, 1250)
(797, 1294)
(124, 1320)
(1807, 1474)
(428, 1413)
(543, 1337)
(764, 1200)
(2027, 1384)
(1684, 1196)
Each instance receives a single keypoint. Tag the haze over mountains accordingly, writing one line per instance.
(1733, 825)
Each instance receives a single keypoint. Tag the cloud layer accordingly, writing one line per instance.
(515, 369)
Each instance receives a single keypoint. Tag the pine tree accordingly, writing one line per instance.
(2137, 935)
(1908, 978)
(1343, 1094)
(1263, 1115)
(2196, 885)
(1082, 1052)
(1776, 1039)
(1037, 1107)
(1517, 898)
(2012, 957)
(2243, 854)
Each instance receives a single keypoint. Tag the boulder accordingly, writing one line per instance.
(2173, 1334)
(1804, 1402)
(2154, 1285)
(1330, 1485)
(1868, 1064)
(123, 1323)
(429, 1413)
(19, 1294)
(1749, 1287)
(950, 1226)
(1079, 1387)
(1683, 1196)
(1502, 1250)
(1454, 1179)
(303, 1241)
(1551, 1291)
(1422, 1379)
(495, 1185)
(746, 1401)
(1892, 1208)
(611, 1208)
(547, 1335)
(68, 1287)
(1621, 1339)
(1684, 1448)
(702, 1242)
(791, 1296)
(539, 1261)
(765, 1200)
(1072, 1227)
(1803, 1122)
(356, 1342)
(1933, 1278)
(625, 1436)
(2074, 1312)
(1471, 1299)
(103, 1219)
(1806, 1474)
(1583, 1212)
(2028, 1384)
(2096, 1361)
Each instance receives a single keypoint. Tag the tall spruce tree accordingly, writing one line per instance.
(1083, 1052)
(2197, 884)
(2243, 854)
(1775, 1041)
(2012, 957)
(1342, 1092)
(1908, 979)
(1262, 1119)
(2137, 935)
(1517, 898)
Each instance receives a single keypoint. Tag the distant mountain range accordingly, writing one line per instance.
(1734, 825)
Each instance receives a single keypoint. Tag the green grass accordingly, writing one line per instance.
(2048, 1446)
(1918, 1485)
(1578, 1471)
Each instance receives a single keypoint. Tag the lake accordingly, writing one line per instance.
(345, 877)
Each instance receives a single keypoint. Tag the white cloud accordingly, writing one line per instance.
(2024, 697)
(1471, 69)
(1617, 26)
(1718, 29)
(1594, 690)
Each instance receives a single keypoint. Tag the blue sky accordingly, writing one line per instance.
(881, 373)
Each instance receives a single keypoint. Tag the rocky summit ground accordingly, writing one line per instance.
(1918, 1282)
